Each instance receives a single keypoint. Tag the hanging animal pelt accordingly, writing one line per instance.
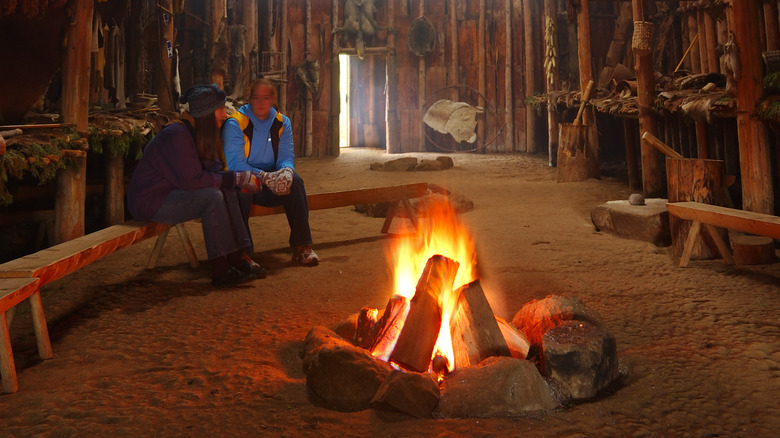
(309, 75)
(458, 119)
(729, 64)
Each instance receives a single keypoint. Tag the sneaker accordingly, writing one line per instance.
(231, 277)
(306, 256)
(251, 267)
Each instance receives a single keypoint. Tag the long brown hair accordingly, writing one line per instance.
(208, 140)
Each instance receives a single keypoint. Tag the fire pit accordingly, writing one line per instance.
(439, 350)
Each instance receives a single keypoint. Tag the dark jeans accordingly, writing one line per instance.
(295, 205)
(224, 231)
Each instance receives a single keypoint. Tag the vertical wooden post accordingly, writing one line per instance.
(693, 30)
(712, 42)
(309, 111)
(114, 196)
(754, 157)
(703, 43)
(531, 45)
(71, 182)
(631, 163)
(249, 20)
(335, 86)
(482, 60)
(453, 76)
(71, 193)
(164, 85)
(509, 129)
(702, 140)
(421, 88)
(586, 75)
(551, 82)
(393, 129)
(218, 20)
(772, 26)
(643, 66)
(285, 32)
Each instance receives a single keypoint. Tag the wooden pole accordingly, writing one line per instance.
(631, 159)
(652, 183)
(114, 197)
(702, 140)
(754, 156)
(76, 64)
(393, 125)
(693, 33)
(551, 81)
(531, 44)
(586, 76)
(421, 88)
(453, 76)
(482, 61)
(703, 43)
(712, 42)
(285, 36)
(71, 182)
(335, 86)
(249, 19)
(309, 112)
(772, 26)
(164, 85)
(509, 128)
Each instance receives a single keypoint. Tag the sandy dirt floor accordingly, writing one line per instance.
(162, 353)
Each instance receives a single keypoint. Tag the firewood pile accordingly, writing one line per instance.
(553, 354)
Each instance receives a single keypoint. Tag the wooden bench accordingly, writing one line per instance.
(712, 216)
(20, 280)
(399, 195)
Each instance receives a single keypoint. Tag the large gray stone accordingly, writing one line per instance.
(648, 222)
(581, 357)
(414, 394)
(339, 375)
(538, 316)
(496, 387)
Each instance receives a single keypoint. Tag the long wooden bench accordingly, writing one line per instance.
(399, 195)
(712, 216)
(20, 280)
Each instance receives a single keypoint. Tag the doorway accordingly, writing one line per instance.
(362, 95)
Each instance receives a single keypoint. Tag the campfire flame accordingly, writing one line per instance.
(441, 233)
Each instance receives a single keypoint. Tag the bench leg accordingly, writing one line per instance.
(185, 241)
(39, 324)
(7, 367)
(390, 216)
(158, 246)
(724, 250)
(689, 241)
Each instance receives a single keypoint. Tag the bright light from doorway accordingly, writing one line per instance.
(344, 98)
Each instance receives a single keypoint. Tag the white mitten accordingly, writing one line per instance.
(284, 179)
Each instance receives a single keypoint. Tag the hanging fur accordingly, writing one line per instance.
(729, 64)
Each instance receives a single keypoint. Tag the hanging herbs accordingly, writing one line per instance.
(41, 161)
(118, 142)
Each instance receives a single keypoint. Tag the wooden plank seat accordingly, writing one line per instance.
(12, 292)
(712, 216)
(399, 195)
(20, 280)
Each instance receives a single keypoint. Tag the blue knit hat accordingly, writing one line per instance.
(203, 99)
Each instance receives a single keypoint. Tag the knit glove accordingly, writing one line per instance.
(247, 182)
(279, 182)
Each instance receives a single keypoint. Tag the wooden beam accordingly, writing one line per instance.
(531, 37)
(652, 183)
(754, 155)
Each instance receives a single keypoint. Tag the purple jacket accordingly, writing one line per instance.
(170, 161)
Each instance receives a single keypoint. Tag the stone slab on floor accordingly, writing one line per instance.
(648, 222)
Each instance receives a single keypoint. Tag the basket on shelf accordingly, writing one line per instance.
(772, 60)
(642, 42)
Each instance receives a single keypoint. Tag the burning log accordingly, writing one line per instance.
(474, 329)
(371, 330)
(415, 344)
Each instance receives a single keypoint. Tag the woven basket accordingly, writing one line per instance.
(642, 42)
(772, 60)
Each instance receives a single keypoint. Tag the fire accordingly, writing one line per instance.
(441, 233)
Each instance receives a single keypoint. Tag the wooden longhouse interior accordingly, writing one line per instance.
(677, 101)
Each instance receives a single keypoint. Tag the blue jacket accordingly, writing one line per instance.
(261, 155)
(170, 161)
